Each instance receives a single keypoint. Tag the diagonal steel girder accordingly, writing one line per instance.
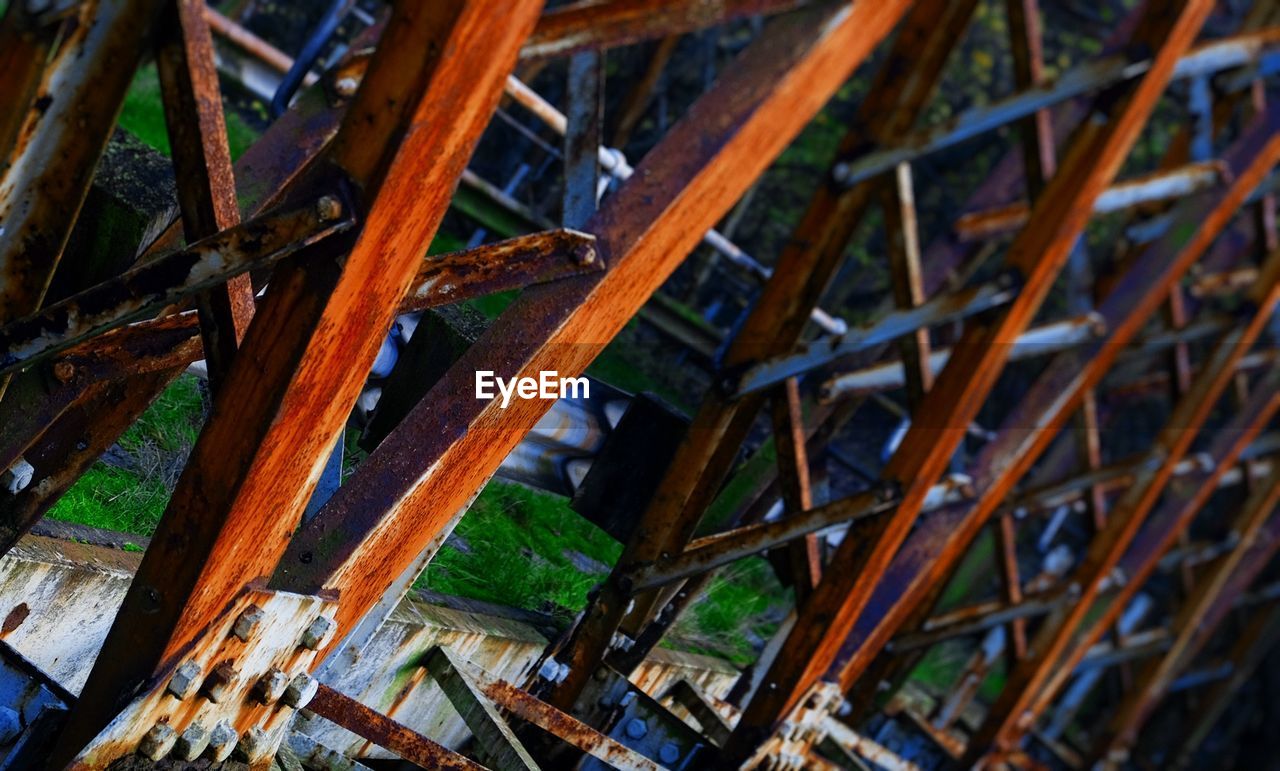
(1058, 647)
(1039, 253)
(428, 94)
(930, 553)
(1214, 593)
(806, 266)
(409, 490)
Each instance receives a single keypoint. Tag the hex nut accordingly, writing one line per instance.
(328, 208)
(300, 691)
(346, 87)
(158, 741)
(271, 686)
(185, 681)
(255, 744)
(317, 633)
(248, 622)
(192, 742)
(222, 741)
(221, 683)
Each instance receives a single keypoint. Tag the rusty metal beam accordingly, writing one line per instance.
(804, 555)
(1038, 253)
(644, 230)
(515, 263)
(1212, 596)
(803, 271)
(410, 745)
(931, 552)
(599, 24)
(313, 339)
(496, 744)
(48, 178)
(202, 164)
(225, 254)
(1056, 647)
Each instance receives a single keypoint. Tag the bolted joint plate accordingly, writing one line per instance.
(250, 669)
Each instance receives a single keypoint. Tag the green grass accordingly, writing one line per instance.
(143, 116)
(131, 496)
(515, 548)
(739, 610)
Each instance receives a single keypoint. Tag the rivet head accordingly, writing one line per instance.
(222, 741)
(255, 744)
(64, 371)
(158, 741)
(328, 208)
(248, 622)
(271, 686)
(346, 87)
(317, 633)
(300, 691)
(192, 742)
(221, 683)
(185, 680)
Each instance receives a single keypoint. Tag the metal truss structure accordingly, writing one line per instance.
(283, 272)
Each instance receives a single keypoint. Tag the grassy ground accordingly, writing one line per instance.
(143, 116)
(128, 490)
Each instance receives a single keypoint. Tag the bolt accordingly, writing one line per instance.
(669, 753)
(585, 254)
(158, 741)
(328, 208)
(192, 742)
(10, 726)
(637, 728)
(255, 744)
(270, 688)
(317, 634)
(300, 691)
(221, 683)
(64, 371)
(185, 680)
(346, 87)
(222, 741)
(840, 172)
(250, 619)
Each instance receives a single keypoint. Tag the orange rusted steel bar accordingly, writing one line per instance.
(903, 239)
(428, 93)
(644, 230)
(1212, 596)
(376, 727)
(202, 165)
(1038, 254)
(805, 554)
(776, 322)
(599, 24)
(939, 543)
(1035, 681)
(68, 447)
(564, 727)
(1007, 562)
(537, 258)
